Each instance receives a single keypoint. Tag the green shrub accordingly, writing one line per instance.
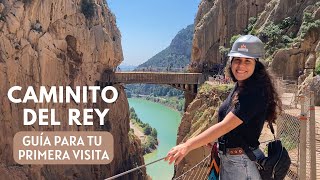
(317, 68)
(272, 31)
(308, 23)
(275, 35)
(224, 88)
(147, 129)
(131, 131)
(306, 26)
(288, 22)
(154, 133)
(253, 32)
(151, 142)
(223, 51)
(234, 38)
(2, 17)
(287, 39)
(27, 1)
(252, 21)
(271, 35)
(198, 114)
(307, 17)
(87, 8)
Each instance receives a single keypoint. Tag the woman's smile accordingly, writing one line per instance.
(241, 71)
(242, 68)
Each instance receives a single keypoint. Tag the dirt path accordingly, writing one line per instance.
(137, 132)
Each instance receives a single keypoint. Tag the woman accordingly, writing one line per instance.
(253, 101)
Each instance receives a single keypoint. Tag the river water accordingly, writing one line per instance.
(166, 121)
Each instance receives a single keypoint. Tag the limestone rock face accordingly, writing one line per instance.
(52, 43)
(301, 55)
(288, 62)
(277, 10)
(216, 22)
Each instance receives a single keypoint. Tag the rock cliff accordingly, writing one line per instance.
(216, 22)
(64, 43)
(287, 61)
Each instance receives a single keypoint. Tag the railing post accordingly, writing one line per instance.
(302, 143)
(312, 138)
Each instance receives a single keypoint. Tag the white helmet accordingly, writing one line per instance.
(247, 46)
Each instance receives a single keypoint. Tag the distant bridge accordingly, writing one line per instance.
(188, 82)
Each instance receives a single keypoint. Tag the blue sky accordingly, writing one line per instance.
(147, 27)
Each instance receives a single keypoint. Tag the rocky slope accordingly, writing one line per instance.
(65, 43)
(200, 115)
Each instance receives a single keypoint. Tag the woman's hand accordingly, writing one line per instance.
(177, 153)
(229, 123)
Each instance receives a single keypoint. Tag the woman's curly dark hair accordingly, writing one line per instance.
(262, 80)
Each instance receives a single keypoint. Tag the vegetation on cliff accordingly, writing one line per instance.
(278, 35)
(149, 140)
(318, 67)
(203, 111)
(200, 115)
(87, 8)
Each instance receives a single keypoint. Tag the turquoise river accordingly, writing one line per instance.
(166, 121)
